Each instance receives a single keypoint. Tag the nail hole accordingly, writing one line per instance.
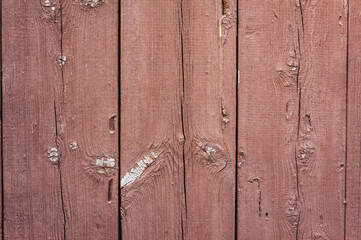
(266, 216)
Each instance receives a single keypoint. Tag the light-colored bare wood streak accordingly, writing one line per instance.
(151, 126)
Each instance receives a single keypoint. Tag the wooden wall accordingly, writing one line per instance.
(180, 119)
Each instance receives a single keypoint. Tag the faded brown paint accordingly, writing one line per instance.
(31, 79)
(179, 118)
(151, 133)
(322, 130)
(353, 164)
(58, 120)
(87, 116)
(209, 48)
(292, 110)
(268, 98)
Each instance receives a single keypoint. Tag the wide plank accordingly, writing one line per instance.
(87, 116)
(152, 139)
(31, 44)
(209, 117)
(268, 113)
(322, 132)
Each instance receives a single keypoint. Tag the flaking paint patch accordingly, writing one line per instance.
(50, 10)
(225, 23)
(92, 3)
(131, 176)
(105, 162)
(103, 165)
(62, 60)
(73, 145)
(210, 150)
(53, 154)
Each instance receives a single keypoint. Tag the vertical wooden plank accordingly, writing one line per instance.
(1, 127)
(268, 101)
(322, 132)
(209, 47)
(88, 120)
(31, 77)
(353, 181)
(151, 128)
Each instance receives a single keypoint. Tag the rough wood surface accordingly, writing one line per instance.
(31, 77)
(268, 201)
(298, 115)
(239, 119)
(87, 119)
(209, 48)
(322, 130)
(353, 181)
(151, 133)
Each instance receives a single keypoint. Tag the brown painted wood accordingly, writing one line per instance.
(31, 80)
(209, 47)
(322, 132)
(353, 189)
(269, 53)
(87, 119)
(151, 132)
(289, 69)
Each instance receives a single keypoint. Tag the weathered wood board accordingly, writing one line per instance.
(322, 131)
(209, 57)
(239, 119)
(268, 102)
(353, 164)
(88, 118)
(31, 35)
(151, 133)
(60, 102)
(292, 112)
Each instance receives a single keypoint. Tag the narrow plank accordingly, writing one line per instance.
(88, 119)
(269, 54)
(209, 47)
(151, 127)
(322, 132)
(353, 181)
(31, 76)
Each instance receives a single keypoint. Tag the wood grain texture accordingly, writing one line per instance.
(151, 132)
(31, 77)
(268, 105)
(353, 187)
(87, 119)
(322, 131)
(209, 48)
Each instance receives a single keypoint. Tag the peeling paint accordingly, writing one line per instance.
(210, 150)
(53, 154)
(92, 3)
(131, 176)
(62, 60)
(73, 145)
(33, 125)
(50, 10)
(225, 22)
(105, 162)
(103, 165)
